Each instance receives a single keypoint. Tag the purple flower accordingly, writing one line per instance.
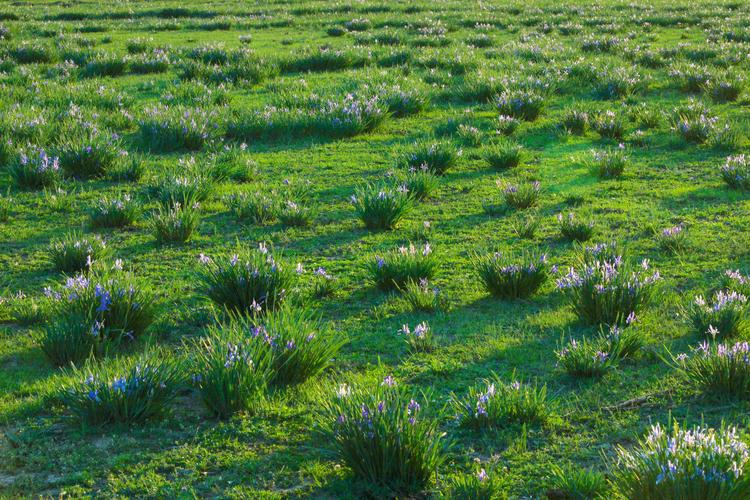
(482, 476)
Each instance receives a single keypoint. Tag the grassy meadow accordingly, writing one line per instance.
(378, 249)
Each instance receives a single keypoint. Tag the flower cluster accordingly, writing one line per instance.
(177, 128)
(699, 459)
(718, 369)
(595, 357)
(508, 277)
(735, 280)
(406, 264)
(421, 296)
(609, 290)
(127, 391)
(323, 283)
(114, 212)
(697, 129)
(420, 338)
(736, 172)
(249, 282)
(175, 223)
(435, 157)
(672, 238)
(609, 125)
(111, 301)
(520, 103)
(521, 196)
(498, 404)
(507, 124)
(35, 169)
(723, 317)
(380, 206)
(608, 163)
(384, 436)
(75, 253)
(230, 372)
(87, 152)
(345, 117)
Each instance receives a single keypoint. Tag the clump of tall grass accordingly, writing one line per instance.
(323, 59)
(574, 483)
(419, 182)
(187, 189)
(725, 88)
(33, 168)
(683, 463)
(509, 277)
(28, 52)
(104, 64)
(575, 229)
(232, 163)
(478, 486)
(249, 282)
(735, 281)
(395, 269)
(608, 290)
(696, 129)
(175, 223)
(358, 24)
(619, 82)
(526, 227)
(400, 102)
(231, 372)
(114, 212)
(722, 318)
(125, 390)
(129, 169)
(112, 302)
(299, 345)
(258, 207)
(646, 116)
(672, 239)
(608, 163)
(156, 61)
(71, 338)
(691, 77)
(6, 202)
(166, 129)
(609, 125)
(422, 297)
(419, 339)
(381, 206)
(293, 214)
(575, 122)
(332, 118)
(437, 157)
(717, 369)
(497, 404)
(385, 436)
(736, 172)
(521, 196)
(86, 152)
(507, 125)
(586, 358)
(503, 155)
(75, 252)
(520, 103)
(469, 135)
(323, 283)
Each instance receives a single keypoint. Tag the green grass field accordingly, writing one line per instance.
(326, 98)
